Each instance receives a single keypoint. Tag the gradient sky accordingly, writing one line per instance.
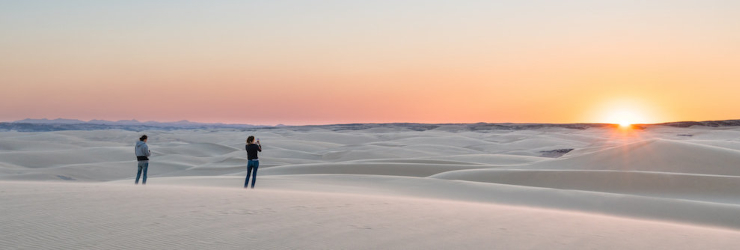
(317, 62)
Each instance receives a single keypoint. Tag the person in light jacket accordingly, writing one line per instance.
(142, 156)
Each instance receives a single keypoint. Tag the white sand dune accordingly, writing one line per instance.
(197, 149)
(369, 152)
(394, 169)
(181, 158)
(634, 206)
(493, 159)
(92, 172)
(710, 188)
(105, 216)
(375, 188)
(416, 161)
(656, 155)
(734, 145)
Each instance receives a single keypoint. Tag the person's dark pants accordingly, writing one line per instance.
(143, 166)
(251, 171)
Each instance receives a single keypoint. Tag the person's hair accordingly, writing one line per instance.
(250, 139)
(143, 137)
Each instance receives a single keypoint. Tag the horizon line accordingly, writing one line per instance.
(350, 123)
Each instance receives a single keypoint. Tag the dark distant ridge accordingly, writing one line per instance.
(452, 126)
(121, 122)
(40, 125)
(510, 126)
(724, 123)
(47, 121)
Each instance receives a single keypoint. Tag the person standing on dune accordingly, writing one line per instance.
(142, 156)
(252, 161)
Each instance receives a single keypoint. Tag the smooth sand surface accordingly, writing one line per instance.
(378, 188)
(107, 216)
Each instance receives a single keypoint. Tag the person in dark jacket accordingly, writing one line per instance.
(252, 161)
(142, 156)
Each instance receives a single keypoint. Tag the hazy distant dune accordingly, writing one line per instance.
(437, 150)
(333, 137)
(291, 154)
(442, 140)
(197, 149)
(18, 144)
(52, 158)
(493, 159)
(297, 145)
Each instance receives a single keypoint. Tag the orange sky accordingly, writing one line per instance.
(294, 62)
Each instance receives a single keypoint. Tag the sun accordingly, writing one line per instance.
(624, 118)
(625, 113)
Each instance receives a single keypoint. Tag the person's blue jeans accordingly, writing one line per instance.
(143, 166)
(251, 171)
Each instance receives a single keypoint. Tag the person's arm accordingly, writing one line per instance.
(259, 147)
(148, 152)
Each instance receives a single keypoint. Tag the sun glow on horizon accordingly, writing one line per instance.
(625, 112)
(625, 118)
